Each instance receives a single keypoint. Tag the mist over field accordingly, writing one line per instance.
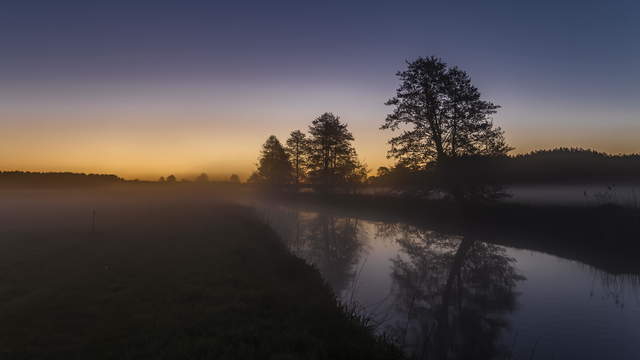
(328, 180)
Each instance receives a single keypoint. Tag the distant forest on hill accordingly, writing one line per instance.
(570, 164)
(560, 165)
(26, 178)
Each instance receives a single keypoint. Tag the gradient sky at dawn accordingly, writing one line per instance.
(148, 88)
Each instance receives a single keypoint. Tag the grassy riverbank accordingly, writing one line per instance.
(161, 277)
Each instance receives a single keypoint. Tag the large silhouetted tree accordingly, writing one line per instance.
(441, 118)
(274, 166)
(297, 150)
(331, 158)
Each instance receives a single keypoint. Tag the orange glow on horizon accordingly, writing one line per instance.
(148, 141)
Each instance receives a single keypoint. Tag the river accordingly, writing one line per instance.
(438, 294)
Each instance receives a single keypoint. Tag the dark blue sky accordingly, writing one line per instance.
(572, 65)
(544, 41)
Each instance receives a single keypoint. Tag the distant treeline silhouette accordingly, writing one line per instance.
(26, 178)
(570, 164)
(555, 166)
(203, 178)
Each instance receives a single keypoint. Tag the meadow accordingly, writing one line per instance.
(143, 271)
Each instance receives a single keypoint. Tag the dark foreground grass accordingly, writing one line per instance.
(162, 278)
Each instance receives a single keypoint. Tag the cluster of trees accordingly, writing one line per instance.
(325, 157)
(202, 179)
(444, 140)
(441, 119)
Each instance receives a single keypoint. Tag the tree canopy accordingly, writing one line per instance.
(331, 157)
(297, 151)
(274, 166)
(440, 115)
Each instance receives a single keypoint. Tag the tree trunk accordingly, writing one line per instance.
(443, 332)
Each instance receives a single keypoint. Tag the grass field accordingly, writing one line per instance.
(162, 275)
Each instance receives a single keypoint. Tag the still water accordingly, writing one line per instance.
(441, 295)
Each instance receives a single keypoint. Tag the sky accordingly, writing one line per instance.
(149, 88)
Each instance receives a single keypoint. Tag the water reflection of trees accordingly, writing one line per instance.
(455, 292)
(334, 245)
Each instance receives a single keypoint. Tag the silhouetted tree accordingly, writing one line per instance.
(331, 158)
(274, 166)
(297, 150)
(234, 179)
(202, 178)
(402, 179)
(383, 171)
(162, 179)
(442, 118)
(382, 177)
(171, 179)
(356, 173)
(254, 178)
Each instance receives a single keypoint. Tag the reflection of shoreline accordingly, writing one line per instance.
(617, 287)
(334, 245)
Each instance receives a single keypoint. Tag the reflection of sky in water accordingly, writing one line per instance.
(571, 309)
(565, 309)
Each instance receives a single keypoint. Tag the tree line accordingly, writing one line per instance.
(203, 178)
(27, 178)
(444, 140)
(554, 166)
(569, 165)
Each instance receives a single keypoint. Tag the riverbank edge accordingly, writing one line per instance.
(579, 233)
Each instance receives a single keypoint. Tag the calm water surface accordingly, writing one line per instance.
(438, 293)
